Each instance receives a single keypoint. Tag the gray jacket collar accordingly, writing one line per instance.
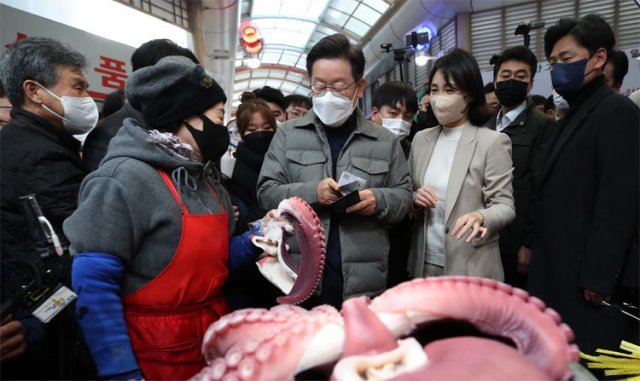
(363, 126)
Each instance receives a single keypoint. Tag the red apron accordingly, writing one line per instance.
(167, 318)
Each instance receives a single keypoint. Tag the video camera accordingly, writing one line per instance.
(39, 274)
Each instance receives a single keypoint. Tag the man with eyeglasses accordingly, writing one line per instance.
(308, 156)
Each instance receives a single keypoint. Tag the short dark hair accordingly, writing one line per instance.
(591, 32)
(298, 100)
(538, 99)
(549, 104)
(113, 102)
(337, 46)
(520, 54)
(271, 95)
(620, 64)
(462, 68)
(37, 59)
(489, 88)
(392, 93)
(149, 53)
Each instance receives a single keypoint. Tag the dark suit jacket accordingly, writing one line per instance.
(97, 142)
(588, 211)
(527, 132)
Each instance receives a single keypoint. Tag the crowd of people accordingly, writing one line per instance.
(471, 179)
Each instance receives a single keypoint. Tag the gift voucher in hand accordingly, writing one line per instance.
(349, 182)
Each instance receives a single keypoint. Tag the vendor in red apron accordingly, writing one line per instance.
(151, 235)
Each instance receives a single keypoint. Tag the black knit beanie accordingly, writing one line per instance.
(171, 91)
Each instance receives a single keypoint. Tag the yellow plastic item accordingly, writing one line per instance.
(617, 363)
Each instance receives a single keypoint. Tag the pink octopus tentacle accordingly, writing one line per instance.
(363, 341)
(491, 359)
(493, 307)
(364, 332)
(240, 325)
(275, 353)
(312, 246)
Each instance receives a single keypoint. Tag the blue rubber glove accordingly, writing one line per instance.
(242, 251)
(96, 277)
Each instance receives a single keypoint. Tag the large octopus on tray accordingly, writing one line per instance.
(425, 329)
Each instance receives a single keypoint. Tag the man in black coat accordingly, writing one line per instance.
(588, 209)
(528, 129)
(46, 84)
(148, 54)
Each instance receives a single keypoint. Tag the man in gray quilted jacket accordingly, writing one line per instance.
(308, 156)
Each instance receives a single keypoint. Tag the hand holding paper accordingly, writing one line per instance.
(349, 182)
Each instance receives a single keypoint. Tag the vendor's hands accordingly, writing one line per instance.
(469, 222)
(12, 340)
(524, 259)
(328, 191)
(273, 213)
(366, 206)
(425, 197)
(595, 297)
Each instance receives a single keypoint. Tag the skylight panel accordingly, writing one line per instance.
(366, 14)
(289, 87)
(335, 17)
(289, 59)
(346, 6)
(356, 26)
(379, 5)
(288, 8)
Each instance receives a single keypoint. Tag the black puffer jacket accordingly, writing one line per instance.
(40, 158)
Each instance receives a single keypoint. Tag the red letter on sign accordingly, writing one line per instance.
(114, 74)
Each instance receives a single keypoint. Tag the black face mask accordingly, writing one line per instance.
(213, 140)
(426, 119)
(511, 92)
(258, 142)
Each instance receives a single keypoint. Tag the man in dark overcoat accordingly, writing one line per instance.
(588, 200)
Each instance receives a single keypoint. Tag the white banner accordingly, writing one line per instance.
(108, 61)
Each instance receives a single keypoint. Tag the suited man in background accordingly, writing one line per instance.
(588, 210)
(518, 118)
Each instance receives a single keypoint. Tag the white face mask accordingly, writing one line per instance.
(80, 114)
(399, 127)
(448, 108)
(333, 110)
(559, 101)
(279, 124)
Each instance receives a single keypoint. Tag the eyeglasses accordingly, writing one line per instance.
(338, 88)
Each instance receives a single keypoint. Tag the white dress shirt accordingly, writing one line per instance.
(505, 120)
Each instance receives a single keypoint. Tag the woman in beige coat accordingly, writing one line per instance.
(461, 176)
